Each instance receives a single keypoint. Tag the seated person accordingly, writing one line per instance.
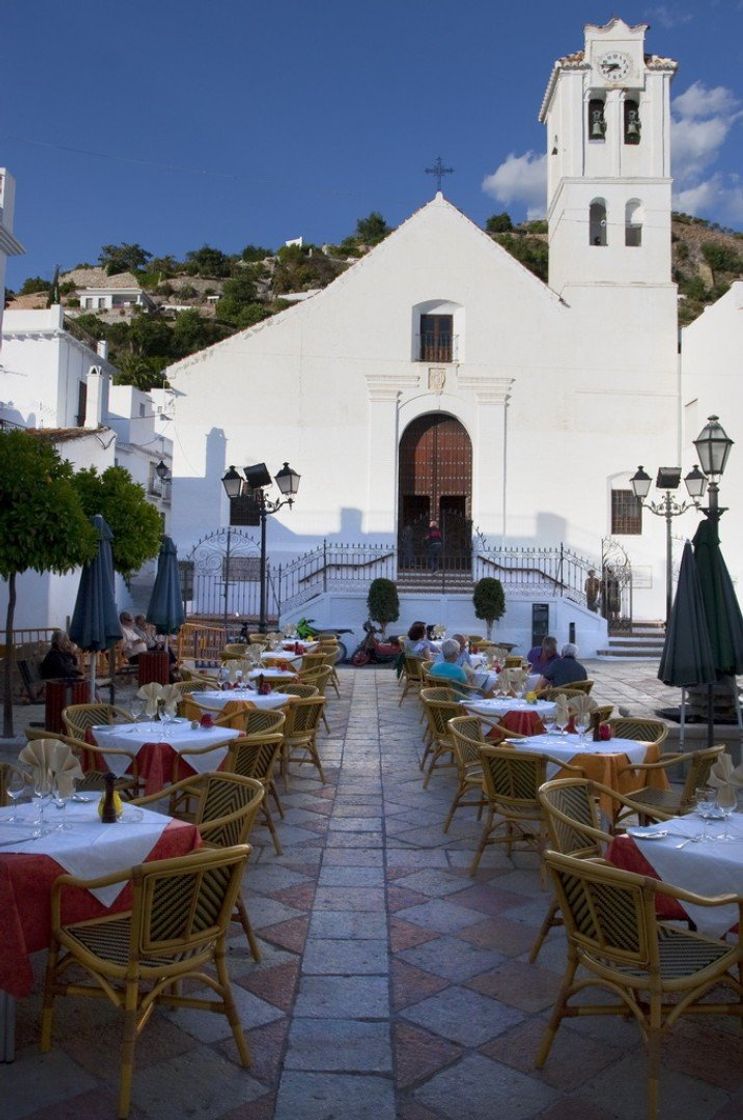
(539, 657)
(60, 662)
(463, 658)
(564, 670)
(132, 645)
(145, 630)
(419, 645)
(447, 669)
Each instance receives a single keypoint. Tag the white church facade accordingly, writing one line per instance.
(439, 379)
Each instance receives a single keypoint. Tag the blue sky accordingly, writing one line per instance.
(175, 123)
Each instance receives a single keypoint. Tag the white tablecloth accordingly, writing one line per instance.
(307, 647)
(707, 867)
(86, 848)
(179, 735)
(282, 655)
(215, 699)
(271, 674)
(567, 748)
(499, 705)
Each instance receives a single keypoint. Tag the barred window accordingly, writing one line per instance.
(626, 513)
(185, 570)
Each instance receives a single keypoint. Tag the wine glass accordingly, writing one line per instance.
(562, 719)
(705, 798)
(16, 788)
(581, 726)
(549, 723)
(42, 787)
(137, 709)
(727, 803)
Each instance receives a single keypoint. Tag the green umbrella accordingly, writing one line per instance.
(724, 619)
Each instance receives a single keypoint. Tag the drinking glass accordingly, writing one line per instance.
(581, 726)
(16, 788)
(549, 723)
(137, 709)
(561, 723)
(727, 803)
(706, 803)
(42, 788)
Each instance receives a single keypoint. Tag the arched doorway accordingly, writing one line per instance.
(435, 484)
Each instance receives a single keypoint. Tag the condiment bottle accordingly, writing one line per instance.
(107, 806)
(595, 721)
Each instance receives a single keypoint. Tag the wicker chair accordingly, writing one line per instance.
(411, 675)
(225, 806)
(177, 925)
(511, 779)
(256, 757)
(318, 678)
(653, 731)
(301, 690)
(94, 762)
(312, 661)
(77, 718)
(300, 735)
(659, 972)
(440, 706)
(467, 738)
(330, 653)
(234, 714)
(660, 804)
(571, 807)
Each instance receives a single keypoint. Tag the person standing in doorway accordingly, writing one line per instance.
(434, 544)
(592, 588)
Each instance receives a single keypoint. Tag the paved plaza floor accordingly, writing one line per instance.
(391, 984)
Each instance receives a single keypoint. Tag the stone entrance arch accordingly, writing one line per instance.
(435, 473)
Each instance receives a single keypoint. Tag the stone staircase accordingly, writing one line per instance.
(643, 640)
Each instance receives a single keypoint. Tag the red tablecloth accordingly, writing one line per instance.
(522, 723)
(25, 907)
(624, 853)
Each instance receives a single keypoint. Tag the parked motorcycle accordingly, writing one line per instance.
(372, 650)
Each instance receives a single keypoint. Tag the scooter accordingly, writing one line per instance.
(372, 650)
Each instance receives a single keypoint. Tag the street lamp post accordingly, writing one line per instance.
(252, 484)
(713, 446)
(669, 507)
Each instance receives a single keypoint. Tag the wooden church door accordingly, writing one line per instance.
(435, 485)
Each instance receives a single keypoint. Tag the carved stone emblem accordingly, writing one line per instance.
(436, 379)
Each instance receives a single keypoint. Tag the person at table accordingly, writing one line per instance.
(420, 646)
(463, 658)
(60, 663)
(448, 668)
(539, 657)
(145, 630)
(564, 670)
(132, 645)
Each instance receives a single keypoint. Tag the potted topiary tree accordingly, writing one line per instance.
(490, 601)
(383, 602)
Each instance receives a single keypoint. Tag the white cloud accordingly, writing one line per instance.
(696, 144)
(699, 101)
(719, 195)
(520, 179)
(667, 17)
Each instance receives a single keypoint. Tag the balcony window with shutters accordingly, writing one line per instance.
(436, 333)
(626, 513)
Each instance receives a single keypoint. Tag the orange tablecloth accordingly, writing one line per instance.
(605, 768)
(25, 910)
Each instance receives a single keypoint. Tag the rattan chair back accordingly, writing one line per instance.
(7, 770)
(227, 807)
(572, 817)
(260, 721)
(643, 730)
(301, 690)
(467, 736)
(254, 757)
(77, 718)
(512, 778)
(315, 660)
(438, 714)
(318, 677)
(303, 716)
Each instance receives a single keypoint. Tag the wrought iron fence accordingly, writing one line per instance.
(554, 571)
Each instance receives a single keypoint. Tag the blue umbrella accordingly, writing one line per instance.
(165, 611)
(95, 619)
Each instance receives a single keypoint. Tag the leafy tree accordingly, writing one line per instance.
(720, 258)
(207, 261)
(165, 266)
(383, 602)
(499, 223)
(373, 229)
(238, 292)
(90, 325)
(34, 284)
(255, 253)
(135, 524)
(251, 314)
(142, 373)
(42, 525)
(123, 258)
(532, 253)
(490, 601)
(191, 333)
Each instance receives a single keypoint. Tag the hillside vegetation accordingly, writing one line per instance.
(211, 294)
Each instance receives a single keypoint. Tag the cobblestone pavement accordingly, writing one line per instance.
(391, 984)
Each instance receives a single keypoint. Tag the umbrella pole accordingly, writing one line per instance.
(736, 694)
(93, 658)
(682, 728)
(710, 718)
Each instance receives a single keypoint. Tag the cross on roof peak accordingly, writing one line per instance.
(439, 171)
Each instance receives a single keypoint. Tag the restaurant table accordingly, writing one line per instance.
(157, 744)
(272, 675)
(515, 714)
(87, 848)
(601, 762)
(294, 659)
(217, 699)
(708, 867)
(305, 647)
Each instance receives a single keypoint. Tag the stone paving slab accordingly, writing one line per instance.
(392, 984)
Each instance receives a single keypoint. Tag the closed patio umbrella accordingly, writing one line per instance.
(95, 620)
(165, 611)
(687, 653)
(724, 619)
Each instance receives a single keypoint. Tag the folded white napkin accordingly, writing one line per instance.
(562, 710)
(581, 707)
(723, 773)
(151, 693)
(171, 697)
(50, 756)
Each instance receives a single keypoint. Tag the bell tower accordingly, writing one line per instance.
(607, 114)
